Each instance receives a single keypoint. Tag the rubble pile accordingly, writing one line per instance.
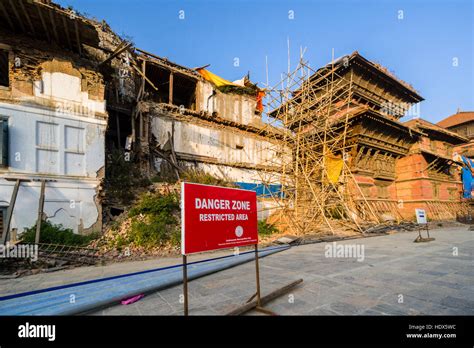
(120, 240)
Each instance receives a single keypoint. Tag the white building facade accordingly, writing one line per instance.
(53, 130)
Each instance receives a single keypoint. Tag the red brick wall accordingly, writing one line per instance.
(413, 189)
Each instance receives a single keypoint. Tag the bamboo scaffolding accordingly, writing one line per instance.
(310, 113)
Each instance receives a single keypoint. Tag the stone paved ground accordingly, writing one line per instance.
(79, 274)
(428, 276)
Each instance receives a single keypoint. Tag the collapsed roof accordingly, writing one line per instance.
(49, 22)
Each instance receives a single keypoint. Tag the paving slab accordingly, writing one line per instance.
(431, 278)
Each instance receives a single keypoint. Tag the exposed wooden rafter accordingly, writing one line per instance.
(66, 30)
(78, 38)
(7, 16)
(28, 18)
(43, 23)
(120, 48)
(17, 15)
(143, 75)
(53, 25)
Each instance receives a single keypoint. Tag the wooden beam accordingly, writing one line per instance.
(120, 48)
(53, 24)
(265, 299)
(13, 7)
(142, 86)
(66, 30)
(7, 16)
(78, 38)
(11, 206)
(40, 212)
(169, 65)
(202, 67)
(146, 78)
(140, 127)
(28, 18)
(170, 94)
(43, 22)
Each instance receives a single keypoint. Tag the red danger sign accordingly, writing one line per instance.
(214, 217)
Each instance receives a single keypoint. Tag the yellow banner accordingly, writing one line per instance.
(333, 167)
(217, 80)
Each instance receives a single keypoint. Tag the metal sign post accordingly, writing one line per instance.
(257, 273)
(422, 221)
(259, 307)
(256, 305)
(185, 284)
(213, 218)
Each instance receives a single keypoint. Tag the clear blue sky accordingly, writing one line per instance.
(420, 48)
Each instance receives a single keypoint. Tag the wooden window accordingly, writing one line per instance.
(449, 150)
(435, 190)
(3, 216)
(382, 192)
(47, 147)
(4, 69)
(470, 130)
(366, 191)
(3, 142)
(453, 193)
(74, 152)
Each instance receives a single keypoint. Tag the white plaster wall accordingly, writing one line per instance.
(70, 203)
(66, 90)
(230, 173)
(220, 144)
(203, 92)
(34, 129)
(237, 108)
(233, 107)
(267, 207)
(65, 147)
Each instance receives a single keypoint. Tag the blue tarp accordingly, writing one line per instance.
(466, 175)
(96, 293)
(265, 191)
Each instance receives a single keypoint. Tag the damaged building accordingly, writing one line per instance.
(191, 119)
(377, 140)
(73, 94)
(354, 160)
(53, 117)
(462, 123)
(76, 100)
(398, 166)
(202, 127)
(429, 177)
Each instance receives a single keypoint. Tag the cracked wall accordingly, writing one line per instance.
(55, 109)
